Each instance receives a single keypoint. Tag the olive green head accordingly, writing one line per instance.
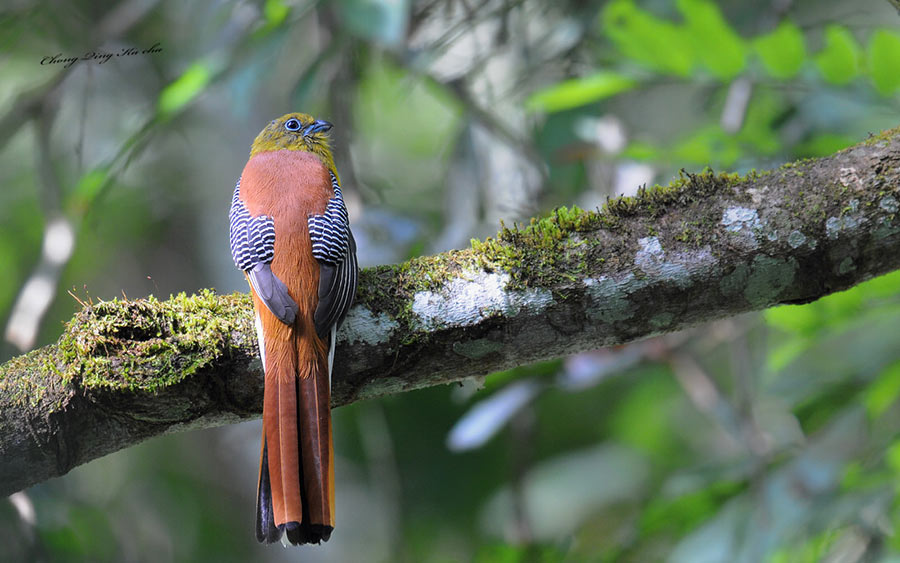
(295, 132)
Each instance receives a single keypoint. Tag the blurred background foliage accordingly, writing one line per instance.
(767, 437)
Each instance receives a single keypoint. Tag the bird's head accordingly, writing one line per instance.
(295, 132)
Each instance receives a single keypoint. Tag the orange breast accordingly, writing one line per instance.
(289, 186)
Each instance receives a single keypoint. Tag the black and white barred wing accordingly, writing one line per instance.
(252, 248)
(333, 246)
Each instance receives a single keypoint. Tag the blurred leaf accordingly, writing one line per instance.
(892, 456)
(275, 12)
(792, 497)
(826, 313)
(833, 310)
(643, 419)
(717, 44)
(63, 543)
(9, 251)
(887, 285)
(384, 21)
(839, 60)
(893, 540)
(184, 89)
(758, 129)
(680, 514)
(310, 78)
(782, 51)
(511, 553)
(884, 61)
(562, 492)
(709, 146)
(715, 540)
(829, 401)
(786, 351)
(659, 44)
(501, 379)
(82, 538)
(389, 99)
(501, 553)
(822, 145)
(88, 186)
(809, 551)
(488, 416)
(580, 91)
(882, 393)
(853, 476)
(804, 327)
(641, 151)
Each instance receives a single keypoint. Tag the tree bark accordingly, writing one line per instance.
(705, 247)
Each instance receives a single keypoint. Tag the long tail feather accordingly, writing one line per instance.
(318, 457)
(296, 483)
(266, 530)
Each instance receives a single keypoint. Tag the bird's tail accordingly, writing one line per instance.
(296, 472)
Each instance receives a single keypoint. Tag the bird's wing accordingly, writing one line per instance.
(333, 246)
(252, 248)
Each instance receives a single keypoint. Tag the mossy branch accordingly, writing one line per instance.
(706, 246)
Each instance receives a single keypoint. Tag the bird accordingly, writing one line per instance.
(290, 235)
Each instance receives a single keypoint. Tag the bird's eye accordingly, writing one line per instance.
(292, 125)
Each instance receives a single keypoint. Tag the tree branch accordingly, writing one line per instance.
(707, 246)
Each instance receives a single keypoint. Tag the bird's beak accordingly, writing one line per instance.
(318, 126)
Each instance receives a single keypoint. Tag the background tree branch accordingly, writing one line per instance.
(707, 246)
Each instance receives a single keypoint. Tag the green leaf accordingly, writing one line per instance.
(501, 553)
(887, 285)
(680, 514)
(507, 553)
(391, 96)
(759, 129)
(782, 353)
(9, 250)
(892, 456)
(828, 312)
(184, 89)
(782, 51)
(310, 78)
(809, 549)
(839, 60)
(717, 44)
(884, 61)
(882, 393)
(797, 319)
(275, 11)
(823, 145)
(853, 477)
(580, 91)
(639, 150)
(708, 146)
(384, 21)
(661, 45)
(643, 418)
(804, 323)
(89, 185)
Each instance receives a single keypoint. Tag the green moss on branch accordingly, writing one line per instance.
(145, 344)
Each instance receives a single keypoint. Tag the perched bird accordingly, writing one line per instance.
(291, 237)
